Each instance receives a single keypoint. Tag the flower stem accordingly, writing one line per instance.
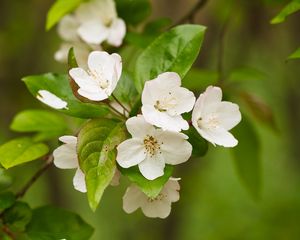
(115, 111)
(122, 105)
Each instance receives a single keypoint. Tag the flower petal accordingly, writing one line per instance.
(152, 167)
(70, 140)
(79, 181)
(171, 190)
(96, 95)
(93, 32)
(130, 153)
(185, 101)
(67, 28)
(158, 208)
(65, 156)
(51, 100)
(133, 199)
(138, 127)
(117, 32)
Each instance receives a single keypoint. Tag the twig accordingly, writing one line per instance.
(7, 231)
(117, 100)
(220, 66)
(191, 14)
(116, 111)
(49, 161)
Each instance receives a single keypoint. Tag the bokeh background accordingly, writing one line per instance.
(214, 205)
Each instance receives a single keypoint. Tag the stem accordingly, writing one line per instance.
(7, 231)
(117, 112)
(191, 14)
(49, 161)
(117, 100)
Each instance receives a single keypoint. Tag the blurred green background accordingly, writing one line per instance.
(214, 204)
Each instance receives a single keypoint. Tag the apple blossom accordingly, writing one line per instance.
(213, 118)
(65, 157)
(51, 100)
(159, 206)
(152, 148)
(164, 100)
(101, 78)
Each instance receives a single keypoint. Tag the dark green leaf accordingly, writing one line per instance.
(247, 157)
(199, 79)
(150, 187)
(133, 11)
(7, 199)
(18, 216)
(51, 223)
(295, 55)
(96, 149)
(5, 179)
(59, 85)
(21, 150)
(200, 145)
(289, 9)
(175, 50)
(59, 9)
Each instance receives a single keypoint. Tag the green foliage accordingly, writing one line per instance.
(200, 145)
(72, 62)
(17, 216)
(5, 179)
(289, 9)
(295, 55)
(175, 50)
(59, 85)
(96, 149)
(7, 199)
(49, 223)
(21, 150)
(197, 79)
(59, 9)
(150, 187)
(133, 11)
(247, 158)
(47, 124)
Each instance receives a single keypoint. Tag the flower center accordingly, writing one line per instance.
(166, 103)
(210, 122)
(159, 197)
(151, 145)
(98, 77)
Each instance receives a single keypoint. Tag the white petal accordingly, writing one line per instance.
(95, 95)
(133, 199)
(65, 157)
(163, 119)
(175, 148)
(218, 136)
(116, 178)
(93, 32)
(168, 80)
(67, 28)
(61, 55)
(117, 32)
(130, 153)
(152, 167)
(138, 127)
(185, 101)
(158, 208)
(70, 140)
(51, 100)
(83, 79)
(171, 190)
(79, 181)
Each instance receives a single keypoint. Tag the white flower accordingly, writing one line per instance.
(159, 207)
(51, 100)
(213, 118)
(101, 78)
(99, 22)
(65, 157)
(164, 101)
(152, 148)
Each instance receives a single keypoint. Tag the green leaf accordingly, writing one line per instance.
(21, 150)
(47, 124)
(133, 11)
(7, 199)
(247, 158)
(175, 50)
(200, 145)
(289, 9)
(199, 79)
(5, 179)
(59, 9)
(150, 187)
(17, 216)
(72, 62)
(96, 149)
(295, 55)
(51, 223)
(59, 85)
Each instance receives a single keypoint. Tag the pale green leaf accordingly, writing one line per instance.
(289, 9)
(295, 55)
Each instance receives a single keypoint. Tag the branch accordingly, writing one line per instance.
(8, 232)
(49, 160)
(191, 14)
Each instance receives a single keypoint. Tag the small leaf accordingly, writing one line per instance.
(51, 223)
(133, 11)
(47, 124)
(150, 187)
(199, 79)
(247, 158)
(7, 199)
(17, 217)
(96, 149)
(175, 51)
(59, 9)
(289, 9)
(59, 86)
(200, 145)
(295, 55)
(72, 62)
(21, 150)
(5, 179)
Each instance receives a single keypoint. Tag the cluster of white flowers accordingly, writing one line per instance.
(156, 132)
(91, 24)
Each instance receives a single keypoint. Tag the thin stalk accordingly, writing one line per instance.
(122, 105)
